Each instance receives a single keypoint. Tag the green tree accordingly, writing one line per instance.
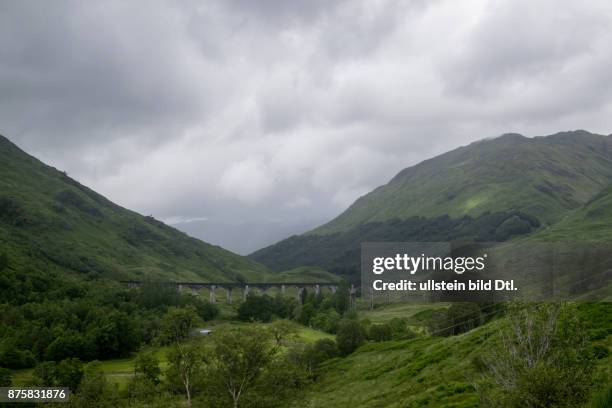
(240, 358)
(341, 297)
(146, 364)
(350, 336)
(44, 374)
(256, 308)
(304, 313)
(185, 364)
(309, 356)
(94, 391)
(5, 377)
(326, 320)
(178, 323)
(281, 330)
(542, 360)
(68, 373)
(3, 261)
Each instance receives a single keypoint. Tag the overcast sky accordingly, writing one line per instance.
(281, 111)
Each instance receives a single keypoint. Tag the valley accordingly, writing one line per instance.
(68, 312)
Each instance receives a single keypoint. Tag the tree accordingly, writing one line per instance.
(68, 373)
(146, 364)
(256, 308)
(93, 391)
(240, 357)
(542, 360)
(350, 336)
(3, 261)
(44, 374)
(341, 297)
(281, 330)
(186, 361)
(5, 377)
(304, 313)
(311, 355)
(178, 323)
(326, 320)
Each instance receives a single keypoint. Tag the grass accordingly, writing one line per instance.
(544, 177)
(414, 312)
(428, 371)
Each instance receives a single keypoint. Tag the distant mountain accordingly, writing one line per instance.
(491, 190)
(242, 237)
(51, 223)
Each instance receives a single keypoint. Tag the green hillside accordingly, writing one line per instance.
(491, 190)
(542, 176)
(51, 223)
(590, 222)
(432, 371)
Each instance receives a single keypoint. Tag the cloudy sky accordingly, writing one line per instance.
(281, 113)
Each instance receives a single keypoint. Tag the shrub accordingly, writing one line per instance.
(146, 364)
(256, 308)
(542, 361)
(5, 377)
(350, 336)
(602, 398)
(380, 332)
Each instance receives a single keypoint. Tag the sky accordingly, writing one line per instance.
(276, 115)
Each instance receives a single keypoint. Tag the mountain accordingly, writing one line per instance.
(490, 190)
(51, 223)
(242, 237)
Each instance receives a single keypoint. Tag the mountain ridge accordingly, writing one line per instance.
(490, 190)
(51, 220)
(474, 194)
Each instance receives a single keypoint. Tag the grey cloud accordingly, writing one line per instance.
(281, 113)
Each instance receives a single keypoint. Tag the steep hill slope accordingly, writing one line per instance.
(51, 223)
(430, 371)
(542, 176)
(589, 223)
(491, 190)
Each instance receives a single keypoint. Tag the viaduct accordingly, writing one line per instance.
(230, 287)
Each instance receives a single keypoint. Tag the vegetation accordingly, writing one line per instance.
(64, 247)
(542, 360)
(340, 252)
(543, 177)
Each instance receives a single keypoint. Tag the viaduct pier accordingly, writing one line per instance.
(243, 288)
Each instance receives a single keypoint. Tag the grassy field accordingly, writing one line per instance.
(415, 313)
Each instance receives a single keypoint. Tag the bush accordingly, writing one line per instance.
(94, 391)
(602, 398)
(380, 332)
(326, 320)
(11, 357)
(543, 360)
(146, 364)
(5, 377)
(256, 308)
(69, 373)
(400, 329)
(304, 313)
(458, 318)
(350, 336)
(66, 373)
